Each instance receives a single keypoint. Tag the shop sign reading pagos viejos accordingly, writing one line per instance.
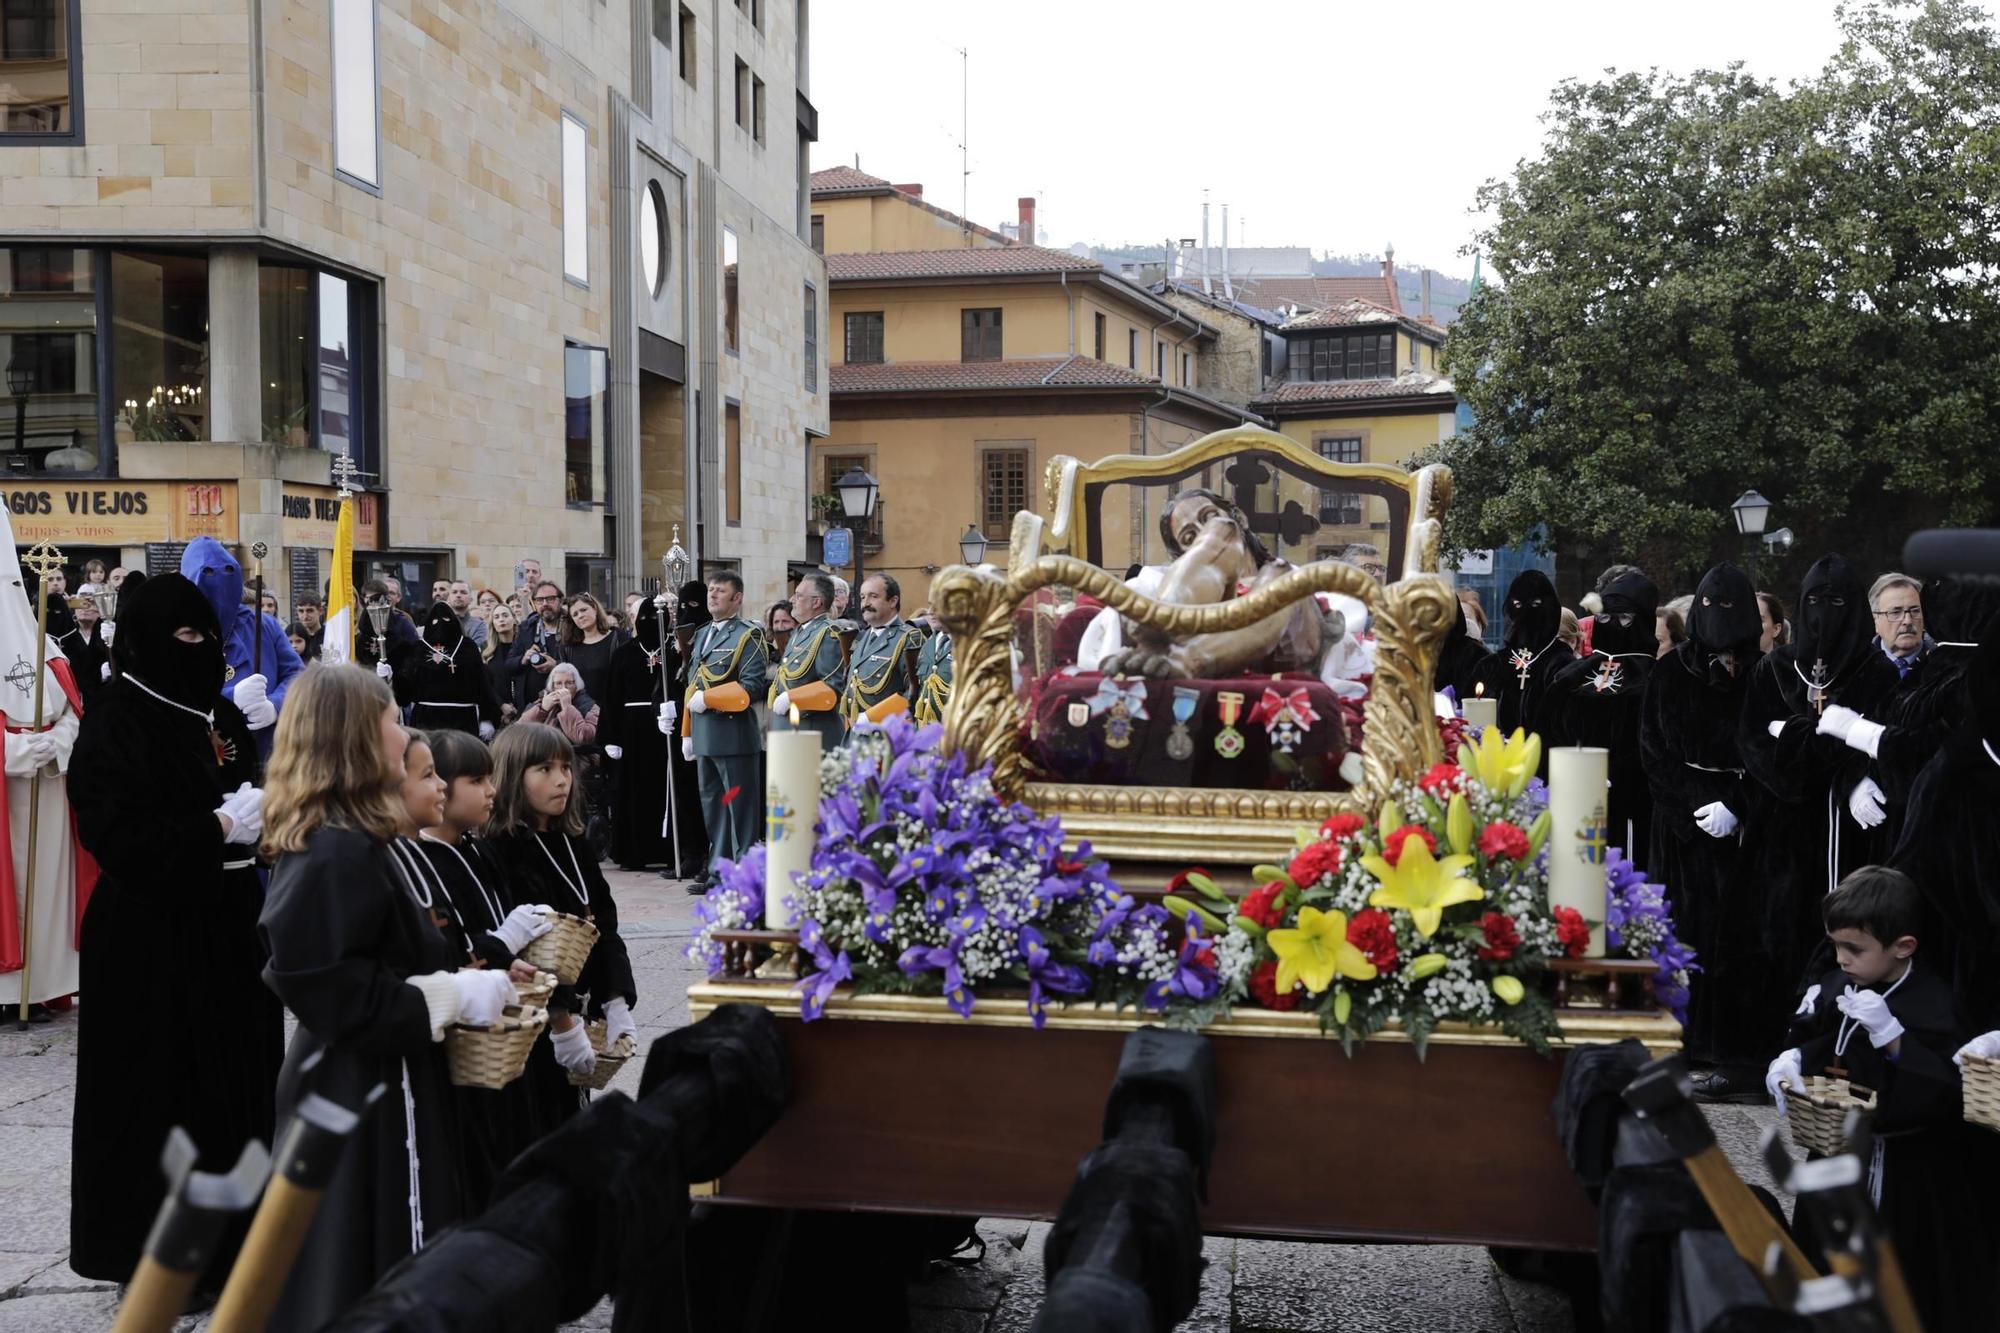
(120, 513)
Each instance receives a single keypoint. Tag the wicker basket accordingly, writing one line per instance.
(493, 1057)
(536, 994)
(1982, 1091)
(1818, 1112)
(563, 949)
(608, 1062)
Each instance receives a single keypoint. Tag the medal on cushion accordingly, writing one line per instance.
(1122, 703)
(1180, 745)
(1285, 718)
(1079, 714)
(1229, 741)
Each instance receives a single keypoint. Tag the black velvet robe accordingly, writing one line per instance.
(345, 930)
(1534, 616)
(1465, 664)
(87, 658)
(628, 717)
(165, 924)
(1588, 705)
(1920, 716)
(455, 693)
(690, 835)
(1936, 1170)
(1950, 846)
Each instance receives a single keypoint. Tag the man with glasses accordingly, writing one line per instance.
(1906, 719)
(540, 648)
(1898, 607)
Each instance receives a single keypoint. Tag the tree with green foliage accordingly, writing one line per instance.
(1709, 283)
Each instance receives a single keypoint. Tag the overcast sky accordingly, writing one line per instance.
(1325, 123)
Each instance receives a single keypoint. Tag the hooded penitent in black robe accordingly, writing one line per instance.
(445, 679)
(1688, 743)
(1465, 664)
(1535, 652)
(1810, 841)
(166, 924)
(628, 718)
(559, 871)
(346, 927)
(1597, 701)
(1933, 1170)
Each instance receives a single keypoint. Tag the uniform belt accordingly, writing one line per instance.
(443, 703)
(641, 703)
(239, 865)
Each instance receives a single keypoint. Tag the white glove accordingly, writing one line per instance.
(104, 672)
(1836, 721)
(250, 696)
(1866, 736)
(618, 1022)
(1871, 1011)
(1716, 820)
(687, 748)
(485, 730)
(482, 994)
(1986, 1045)
(39, 747)
(1865, 803)
(105, 630)
(614, 751)
(782, 705)
(573, 1049)
(244, 809)
(385, 671)
(529, 921)
(1810, 1001)
(1789, 1067)
(1777, 728)
(698, 702)
(670, 713)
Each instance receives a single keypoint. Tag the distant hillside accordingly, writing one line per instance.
(1448, 292)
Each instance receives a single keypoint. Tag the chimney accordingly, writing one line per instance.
(1228, 291)
(1389, 275)
(1425, 308)
(916, 190)
(1029, 236)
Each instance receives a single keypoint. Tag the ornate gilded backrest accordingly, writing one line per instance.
(1409, 618)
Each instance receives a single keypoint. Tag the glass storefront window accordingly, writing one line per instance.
(585, 372)
(159, 363)
(48, 325)
(336, 368)
(285, 334)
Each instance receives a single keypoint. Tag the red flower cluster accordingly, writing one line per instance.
(1392, 846)
(1453, 732)
(1572, 932)
(1442, 780)
(1501, 937)
(1312, 861)
(1373, 932)
(1180, 881)
(1502, 841)
(1262, 906)
(1336, 827)
(1264, 987)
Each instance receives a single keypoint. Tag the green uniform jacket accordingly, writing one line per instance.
(727, 650)
(934, 665)
(880, 667)
(813, 654)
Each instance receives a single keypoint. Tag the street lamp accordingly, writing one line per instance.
(858, 493)
(20, 383)
(1751, 512)
(972, 546)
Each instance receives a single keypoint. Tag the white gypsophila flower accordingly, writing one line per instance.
(1235, 955)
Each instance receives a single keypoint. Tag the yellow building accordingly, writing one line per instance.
(854, 213)
(1359, 384)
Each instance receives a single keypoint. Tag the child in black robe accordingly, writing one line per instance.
(1889, 1023)
(537, 833)
(445, 680)
(357, 956)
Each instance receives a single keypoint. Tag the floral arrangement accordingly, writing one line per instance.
(1638, 924)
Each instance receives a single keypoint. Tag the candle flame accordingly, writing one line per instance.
(795, 715)
(1479, 688)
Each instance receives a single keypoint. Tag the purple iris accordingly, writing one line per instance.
(1046, 976)
(1193, 978)
(920, 958)
(832, 969)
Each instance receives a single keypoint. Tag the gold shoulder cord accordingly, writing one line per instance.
(705, 679)
(787, 678)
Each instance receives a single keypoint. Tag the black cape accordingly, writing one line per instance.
(1465, 664)
(165, 920)
(87, 655)
(628, 717)
(444, 680)
(345, 930)
(1950, 845)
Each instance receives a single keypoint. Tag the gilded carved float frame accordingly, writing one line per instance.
(1410, 619)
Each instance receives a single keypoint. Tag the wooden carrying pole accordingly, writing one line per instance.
(42, 559)
(191, 1220)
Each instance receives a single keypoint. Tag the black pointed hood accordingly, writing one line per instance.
(441, 627)
(1834, 624)
(1534, 612)
(693, 608)
(1634, 600)
(1724, 617)
(145, 647)
(646, 625)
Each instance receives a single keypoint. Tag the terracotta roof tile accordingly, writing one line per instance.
(1340, 391)
(841, 179)
(1349, 314)
(996, 262)
(1076, 372)
(1313, 293)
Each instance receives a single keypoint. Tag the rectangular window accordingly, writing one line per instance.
(576, 200)
(159, 360)
(1339, 507)
(1160, 361)
(742, 96)
(1353, 356)
(818, 234)
(729, 311)
(864, 338)
(835, 466)
(1187, 371)
(1132, 348)
(663, 22)
(285, 368)
(756, 108)
(356, 140)
(732, 463)
(1003, 491)
(1097, 329)
(586, 373)
(812, 340)
(40, 72)
(338, 369)
(979, 335)
(48, 309)
(687, 46)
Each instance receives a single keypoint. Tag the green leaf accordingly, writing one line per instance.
(1343, 1005)
(1538, 833)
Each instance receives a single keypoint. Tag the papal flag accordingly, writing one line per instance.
(338, 645)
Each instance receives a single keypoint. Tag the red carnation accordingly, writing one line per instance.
(1373, 932)
(1312, 861)
(1392, 846)
(1262, 906)
(1441, 780)
(1264, 987)
(1572, 932)
(1180, 881)
(1501, 937)
(1502, 841)
(1336, 827)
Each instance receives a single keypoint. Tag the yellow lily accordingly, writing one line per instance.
(1502, 766)
(1421, 886)
(1316, 952)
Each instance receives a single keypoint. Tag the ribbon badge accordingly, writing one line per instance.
(1124, 703)
(1180, 745)
(1229, 741)
(1286, 718)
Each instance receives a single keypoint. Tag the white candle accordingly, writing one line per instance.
(1579, 834)
(1480, 711)
(791, 808)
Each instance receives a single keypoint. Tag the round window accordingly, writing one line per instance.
(653, 237)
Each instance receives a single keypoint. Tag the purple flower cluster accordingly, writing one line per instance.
(735, 902)
(1638, 924)
(1134, 942)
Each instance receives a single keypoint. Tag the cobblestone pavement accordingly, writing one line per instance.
(1260, 1286)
